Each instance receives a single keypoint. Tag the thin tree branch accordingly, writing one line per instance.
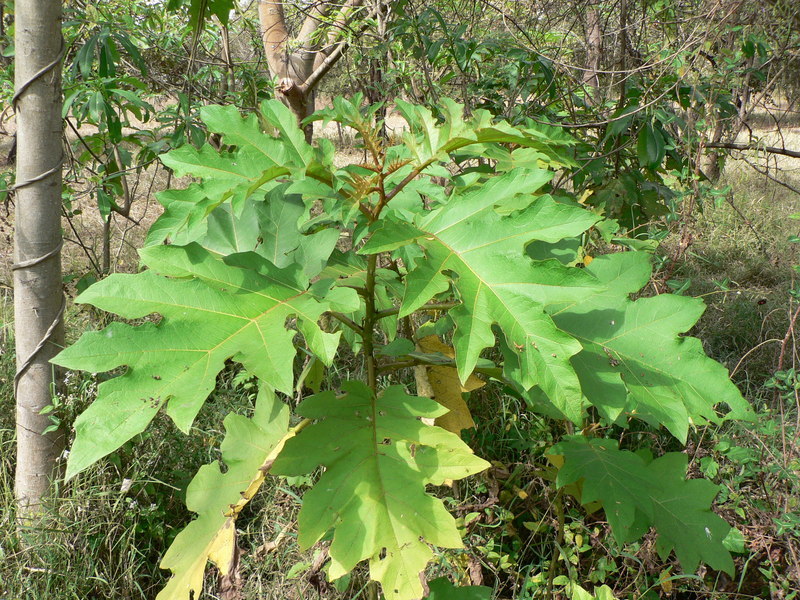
(768, 175)
(324, 67)
(770, 149)
(427, 307)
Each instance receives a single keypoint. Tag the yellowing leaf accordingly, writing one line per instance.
(665, 581)
(600, 593)
(447, 388)
(249, 449)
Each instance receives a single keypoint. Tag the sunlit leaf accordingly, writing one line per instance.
(378, 457)
(248, 450)
(211, 311)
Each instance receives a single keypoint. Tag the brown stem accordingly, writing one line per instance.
(399, 187)
(229, 81)
(106, 256)
(553, 568)
(769, 149)
(397, 366)
(323, 68)
(125, 209)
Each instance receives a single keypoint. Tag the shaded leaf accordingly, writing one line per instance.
(683, 518)
(635, 493)
(442, 589)
(633, 357)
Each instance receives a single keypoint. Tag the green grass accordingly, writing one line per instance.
(741, 263)
(100, 540)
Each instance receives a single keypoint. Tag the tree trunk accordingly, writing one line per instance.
(299, 72)
(290, 69)
(38, 295)
(594, 51)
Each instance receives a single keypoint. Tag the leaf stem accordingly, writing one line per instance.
(396, 366)
(558, 507)
(427, 307)
(347, 321)
(399, 187)
(494, 372)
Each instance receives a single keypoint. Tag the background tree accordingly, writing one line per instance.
(299, 62)
(38, 298)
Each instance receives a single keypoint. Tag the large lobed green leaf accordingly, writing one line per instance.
(378, 457)
(637, 494)
(573, 335)
(634, 361)
(570, 337)
(211, 311)
(245, 170)
(429, 139)
(496, 282)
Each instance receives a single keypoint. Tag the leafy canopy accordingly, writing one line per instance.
(273, 258)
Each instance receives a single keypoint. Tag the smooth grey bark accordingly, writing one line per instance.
(38, 295)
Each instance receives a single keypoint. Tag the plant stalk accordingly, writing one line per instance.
(368, 325)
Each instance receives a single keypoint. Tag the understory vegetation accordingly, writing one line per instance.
(116, 521)
(640, 176)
